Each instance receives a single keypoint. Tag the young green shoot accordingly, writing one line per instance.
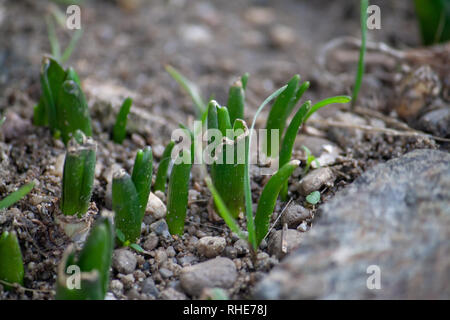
(12, 198)
(11, 263)
(289, 140)
(190, 88)
(362, 52)
(130, 196)
(282, 108)
(120, 127)
(310, 158)
(94, 262)
(161, 175)
(313, 198)
(236, 100)
(62, 106)
(142, 175)
(78, 175)
(177, 193)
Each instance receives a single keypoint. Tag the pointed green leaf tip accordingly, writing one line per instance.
(161, 175)
(236, 101)
(120, 127)
(125, 203)
(78, 175)
(16, 195)
(11, 264)
(177, 193)
(189, 87)
(268, 199)
(142, 176)
(94, 263)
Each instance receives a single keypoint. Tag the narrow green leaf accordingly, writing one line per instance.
(71, 46)
(289, 140)
(11, 263)
(223, 210)
(53, 39)
(325, 102)
(161, 175)
(78, 175)
(136, 247)
(120, 235)
(247, 187)
(269, 197)
(142, 176)
(223, 119)
(12, 198)
(236, 101)
(212, 121)
(281, 110)
(125, 203)
(71, 74)
(244, 80)
(52, 77)
(72, 111)
(120, 127)
(189, 87)
(177, 194)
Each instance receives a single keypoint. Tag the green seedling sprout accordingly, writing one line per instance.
(161, 175)
(256, 226)
(62, 106)
(60, 18)
(120, 127)
(362, 52)
(434, 20)
(94, 262)
(78, 175)
(289, 139)
(11, 263)
(190, 88)
(313, 198)
(282, 108)
(142, 175)
(310, 158)
(236, 99)
(130, 196)
(177, 193)
(12, 198)
(72, 111)
(228, 175)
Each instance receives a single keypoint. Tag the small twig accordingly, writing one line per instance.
(377, 129)
(16, 285)
(278, 218)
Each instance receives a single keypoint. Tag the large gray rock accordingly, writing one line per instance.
(219, 272)
(395, 217)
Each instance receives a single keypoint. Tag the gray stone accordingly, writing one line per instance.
(315, 179)
(151, 242)
(294, 215)
(293, 241)
(149, 287)
(241, 247)
(395, 217)
(219, 272)
(165, 273)
(436, 122)
(211, 247)
(346, 137)
(161, 229)
(172, 294)
(124, 261)
(155, 207)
